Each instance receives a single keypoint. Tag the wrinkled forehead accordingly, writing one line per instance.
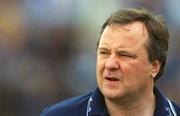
(136, 27)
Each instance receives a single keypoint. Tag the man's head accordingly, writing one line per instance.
(131, 54)
(157, 46)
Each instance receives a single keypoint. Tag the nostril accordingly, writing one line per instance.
(112, 69)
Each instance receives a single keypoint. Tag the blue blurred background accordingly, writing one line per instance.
(48, 50)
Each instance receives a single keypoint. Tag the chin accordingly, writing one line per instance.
(111, 93)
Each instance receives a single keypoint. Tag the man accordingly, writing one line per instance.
(131, 56)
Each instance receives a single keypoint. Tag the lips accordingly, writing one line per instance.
(111, 78)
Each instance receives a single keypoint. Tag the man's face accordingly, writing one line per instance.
(123, 69)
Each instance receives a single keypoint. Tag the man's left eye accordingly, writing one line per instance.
(126, 55)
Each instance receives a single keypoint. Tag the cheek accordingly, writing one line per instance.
(100, 65)
(130, 68)
(99, 68)
(135, 71)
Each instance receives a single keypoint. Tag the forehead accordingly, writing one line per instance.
(135, 31)
(136, 27)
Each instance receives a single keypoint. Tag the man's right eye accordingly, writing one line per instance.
(103, 52)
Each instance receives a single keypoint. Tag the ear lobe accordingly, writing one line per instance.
(155, 68)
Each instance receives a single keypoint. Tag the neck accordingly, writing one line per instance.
(142, 106)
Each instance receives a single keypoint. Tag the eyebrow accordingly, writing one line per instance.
(103, 48)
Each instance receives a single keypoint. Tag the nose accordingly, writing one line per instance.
(112, 64)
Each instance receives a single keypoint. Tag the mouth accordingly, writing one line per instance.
(111, 78)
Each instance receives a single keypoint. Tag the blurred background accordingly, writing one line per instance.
(48, 50)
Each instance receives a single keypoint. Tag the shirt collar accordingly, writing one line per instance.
(97, 107)
(163, 107)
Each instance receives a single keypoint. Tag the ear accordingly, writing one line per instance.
(155, 68)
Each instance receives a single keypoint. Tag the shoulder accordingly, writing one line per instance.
(177, 108)
(75, 106)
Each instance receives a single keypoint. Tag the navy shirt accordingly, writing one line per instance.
(93, 104)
